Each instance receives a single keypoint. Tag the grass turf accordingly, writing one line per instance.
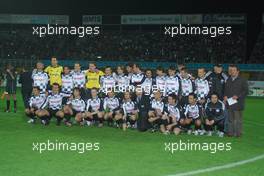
(123, 153)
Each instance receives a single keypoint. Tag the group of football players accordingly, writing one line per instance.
(171, 101)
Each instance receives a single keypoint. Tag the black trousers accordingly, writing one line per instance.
(26, 94)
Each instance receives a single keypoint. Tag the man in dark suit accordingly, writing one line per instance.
(26, 82)
(143, 105)
(236, 89)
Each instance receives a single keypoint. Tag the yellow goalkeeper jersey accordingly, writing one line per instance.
(93, 79)
(54, 74)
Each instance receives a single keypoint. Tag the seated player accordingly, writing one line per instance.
(214, 111)
(130, 111)
(74, 107)
(171, 120)
(156, 111)
(94, 109)
(35, 104)
(54, 105)
(193, 115)
(112, 109)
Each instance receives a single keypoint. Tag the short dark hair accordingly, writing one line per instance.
(160, 68)
(193, 94)
(36, 87)
(172, 67)
(173, 96)
(234, 66)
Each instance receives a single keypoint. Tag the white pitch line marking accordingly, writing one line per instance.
(226, 166)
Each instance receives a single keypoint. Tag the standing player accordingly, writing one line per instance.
(36, 102)
(26, 82)
(94, 109)
(54, 104)
(40, 78)
(112, 109)
(11, 85)
(107, 81)
(137, 77)
(147, 84)
(93, 76)
(54, 71)
(201, 87)
(79, 79)
(160, 80)
(193, 115)
(156, 111)
(186, 86)
(67, 84)
(172, 85)
(130, 110)
(75, 107)
(122, 81)
(215, 115)
(171, 120)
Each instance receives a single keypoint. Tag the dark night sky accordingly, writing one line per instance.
(76, 9)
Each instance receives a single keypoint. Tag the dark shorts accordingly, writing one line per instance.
(52, 112)
(10, 89)
(74, 112)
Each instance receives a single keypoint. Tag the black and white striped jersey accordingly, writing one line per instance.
(106, 82)
(112, 103)
(54, 101)
(201, 88)
(160, 83)
(128, 107)
(187, 86)
(77, 104)
(122, 82)
(173, 110)
(37, 101)
(79, 78)
(157, 105)
(94, 104)
(137, 79)
(147, 86)
(67, 85)
(172, 85)
(41, 80)
(192, 111)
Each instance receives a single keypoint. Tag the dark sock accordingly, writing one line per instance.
(67, 117)
(197, 127)
(100, 120)
(7, 104)
(15, 104)
(132, 122)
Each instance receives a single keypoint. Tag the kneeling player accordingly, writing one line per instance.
(171, 120)
(193, 115)
(75, 107)
(54, 104)
(112, 110)
(35, 104)
(156, 111)
(94, 109)
(130, 110)
(214, 111)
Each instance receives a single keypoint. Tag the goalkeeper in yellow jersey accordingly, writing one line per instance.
(54, 71)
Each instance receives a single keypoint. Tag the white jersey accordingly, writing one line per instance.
(202, 88)
(122, 82)
(37, 101)
(111, 103)
(94, 104)
(157, 105)
(77, 104)
(192, 111)
(186, 86)
(172, 85)
(137, 79)
(41, 80)
(173, 110)
(54, 101)
(106, 82)
(67, 85)
(147, 85)
(79, 78)
(128, 107)
(160, 82)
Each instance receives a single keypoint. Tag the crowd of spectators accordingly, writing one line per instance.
(258, 51)
(125, 45)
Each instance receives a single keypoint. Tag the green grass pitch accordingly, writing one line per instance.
(123, 153)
